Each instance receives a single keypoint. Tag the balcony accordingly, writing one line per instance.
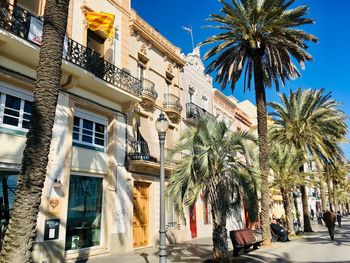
(141, 160)
(140, 151)
(17, 21)
(194, 112)
(172, 107)
(149, 94)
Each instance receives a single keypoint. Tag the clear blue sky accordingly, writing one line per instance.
(330, 68)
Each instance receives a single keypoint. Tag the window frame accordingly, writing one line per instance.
(206, 212)
(171, 215)
(94, 118)
(19, 94)
(102, 223)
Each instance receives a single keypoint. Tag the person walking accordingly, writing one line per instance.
(339, 216)
(329, 218)
(312, 214)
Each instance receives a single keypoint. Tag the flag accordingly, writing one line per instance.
(99, 21)
(188, 29)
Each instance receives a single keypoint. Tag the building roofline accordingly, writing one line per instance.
(148, 32)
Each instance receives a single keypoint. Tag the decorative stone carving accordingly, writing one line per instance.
(143, 49)
(169, 71)
(149, 45)
(170, 68)
(143, 54)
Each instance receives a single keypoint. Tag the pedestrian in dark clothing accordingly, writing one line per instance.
(339, 216)
(329, 219)
(278, 230)
(312, 214)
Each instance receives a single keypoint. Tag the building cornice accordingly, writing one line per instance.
(231, 107)
(141, 27)
(218, 94)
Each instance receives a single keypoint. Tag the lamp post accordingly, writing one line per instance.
(162, 126)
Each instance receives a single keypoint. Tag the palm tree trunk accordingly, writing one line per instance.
(323, 193)
(220, 245)
(305, 204)
(321, 182)
(287, 205)
(336, 208)
(20, 237)
(263, 149)
(306, 217)
(330, 196)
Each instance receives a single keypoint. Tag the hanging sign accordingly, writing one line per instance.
(35, 30)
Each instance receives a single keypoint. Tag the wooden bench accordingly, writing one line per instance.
(243, 238)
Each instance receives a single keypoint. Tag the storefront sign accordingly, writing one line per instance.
(54, 208)
(52, 227)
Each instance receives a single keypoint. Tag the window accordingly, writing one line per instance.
(84, 212)
(30, 5)
(168, 87)
(95, 42)
(171, 215)
(89, 130)
(140, 72)
(206, 212)
(15, 112)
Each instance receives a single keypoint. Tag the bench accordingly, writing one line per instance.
(243, 238)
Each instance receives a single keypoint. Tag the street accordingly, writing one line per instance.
(315, 247)
(312, 247)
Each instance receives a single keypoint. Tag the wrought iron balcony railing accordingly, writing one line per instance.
(148, 89)
(172, 102)
(193, 111)
(139, 151)
(17, 21)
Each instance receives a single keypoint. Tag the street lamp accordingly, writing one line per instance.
(162, 126)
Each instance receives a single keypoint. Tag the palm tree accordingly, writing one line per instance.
(259, 38)
(285, 162)
(335, 173)
(216, 167)
(343, 194)
(310, 121)
(20, 236)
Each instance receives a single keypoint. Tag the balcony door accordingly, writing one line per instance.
(31, 5)
(95, 41)
(141, 214)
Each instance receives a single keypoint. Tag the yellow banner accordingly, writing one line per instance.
(98, 21)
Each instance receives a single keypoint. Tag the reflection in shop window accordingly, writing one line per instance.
(84, 212)
(8, 185)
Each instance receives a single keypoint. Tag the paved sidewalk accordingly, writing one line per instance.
(310, 248)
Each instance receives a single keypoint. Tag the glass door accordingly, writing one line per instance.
(84, 212)
(8, 183)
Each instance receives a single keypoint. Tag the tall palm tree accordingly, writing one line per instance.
(343, 194)
(285, 162)
(310, 121)
(335, 174)
(261, 39)
(20, 236)
(216, 167)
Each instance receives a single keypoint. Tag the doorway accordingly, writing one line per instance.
(141, 214)
(193, 221)
(8, 183)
